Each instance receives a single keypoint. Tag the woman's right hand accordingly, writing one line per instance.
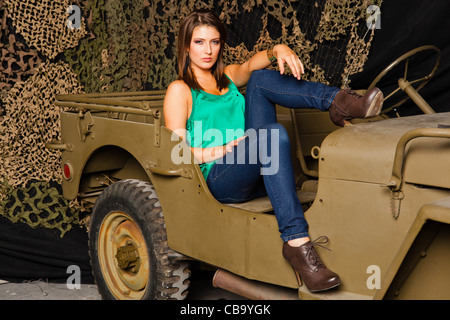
(230, 145)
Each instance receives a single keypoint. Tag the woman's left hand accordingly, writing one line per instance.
(285, 55)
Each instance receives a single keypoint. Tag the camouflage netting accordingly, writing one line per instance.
(18, 60)
(42, 23)
(38, 204)
(31, 120)
(129, 45)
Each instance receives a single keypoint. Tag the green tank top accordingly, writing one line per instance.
(215, 120)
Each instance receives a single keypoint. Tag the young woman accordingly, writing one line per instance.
(205, 99)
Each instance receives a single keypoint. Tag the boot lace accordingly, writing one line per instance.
(354, 95)
(312, 255)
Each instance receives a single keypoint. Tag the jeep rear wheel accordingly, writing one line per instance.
(128, 246)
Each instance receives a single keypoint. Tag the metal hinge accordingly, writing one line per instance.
(85, 124)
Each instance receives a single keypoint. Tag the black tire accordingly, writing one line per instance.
(128, 246)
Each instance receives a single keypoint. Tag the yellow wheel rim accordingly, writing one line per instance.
(123, 257)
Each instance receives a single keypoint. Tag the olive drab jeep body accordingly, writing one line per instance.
(379, 190)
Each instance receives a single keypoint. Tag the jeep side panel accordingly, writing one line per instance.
(197, 225)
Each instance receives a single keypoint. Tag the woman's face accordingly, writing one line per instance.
(204, 47)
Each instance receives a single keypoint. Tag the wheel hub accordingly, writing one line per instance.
(123, 256)
(128, 257)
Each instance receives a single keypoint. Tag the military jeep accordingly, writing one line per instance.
(378, 189)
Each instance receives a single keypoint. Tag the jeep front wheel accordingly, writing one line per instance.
(128, 246)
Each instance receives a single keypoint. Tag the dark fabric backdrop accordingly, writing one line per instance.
(31, 254)
(405, 25)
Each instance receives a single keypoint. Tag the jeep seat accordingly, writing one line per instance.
(306, 195)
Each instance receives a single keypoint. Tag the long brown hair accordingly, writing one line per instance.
(185, 73)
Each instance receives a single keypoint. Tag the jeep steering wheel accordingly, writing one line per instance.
(406, 85)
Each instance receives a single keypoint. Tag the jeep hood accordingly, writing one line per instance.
(365, 152)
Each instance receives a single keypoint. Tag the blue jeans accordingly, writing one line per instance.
(261, 164)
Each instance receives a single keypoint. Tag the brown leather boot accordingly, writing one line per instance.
(348, 105)
(308, 266)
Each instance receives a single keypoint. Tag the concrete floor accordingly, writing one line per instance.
(201, 289)
(41, 290)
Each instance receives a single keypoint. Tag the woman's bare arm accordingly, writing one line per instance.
(240, 74)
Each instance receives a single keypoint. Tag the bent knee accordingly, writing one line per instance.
(257, 76)
(275, 130)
